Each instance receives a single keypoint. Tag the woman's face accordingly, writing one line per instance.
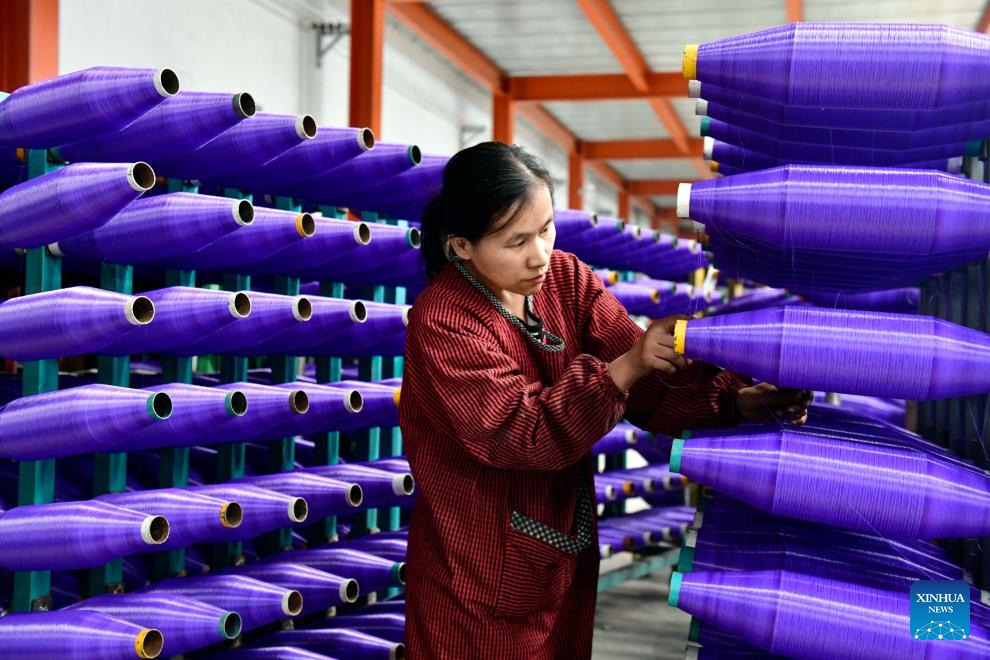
(513, 261)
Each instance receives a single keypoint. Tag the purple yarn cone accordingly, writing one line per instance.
(256, 601)
(334, 239)
(197, 410)
(250, 144)
(329, 408)
(272, 231)
(923, 67)
(787, 467)
(377, 486)
(943, 359)
(186, 624)
(343, 643)
(271, 653)
(401, 190)
(622, 487)
(331, 316)
(270, 409)
(182, 316)
(383, 333)
(386, 625)
(405, 270)
(77, 420)
(750, 160)
(776, 621)
(331, 148)
(389, 248)
(604, 492)
(271, 314)
(67, 535)
(85, 103)
(159, 228)
(263, 510)
(388, 548)
(571, 222)
(69, 201)
(380, 405)
(604, 229)
(635, 297)
(320, 590)
(372, 573)
(619, 439)
(325, 496)
(366, 171)
(76, 634)
(178, 125)
(192, 516)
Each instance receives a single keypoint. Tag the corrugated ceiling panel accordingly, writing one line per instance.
(648, 169)
(660, 29)
(530, 37)
(612, 120)
(961, 13)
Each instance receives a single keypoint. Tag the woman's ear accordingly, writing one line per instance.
(460, 246)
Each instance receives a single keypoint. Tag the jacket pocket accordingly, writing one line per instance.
(535, 576)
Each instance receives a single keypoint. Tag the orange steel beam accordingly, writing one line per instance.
(449, 43)
(605, 21)
(503, 118)
(367, 54)
(575, 181)
(653, 187)
(626, 149)
(983, 24)
(550, 126)
(28, 42)
(594, 87)
(607, 173)
(795, 11)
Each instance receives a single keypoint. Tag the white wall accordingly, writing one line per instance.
(268, 48)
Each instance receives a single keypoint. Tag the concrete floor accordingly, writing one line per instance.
(634, 622)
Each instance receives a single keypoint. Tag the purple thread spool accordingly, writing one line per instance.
(891, 411)
(343, 643)
(405, 270)
(372, 573)
(182, 315)
(635, 297)
(943, 359)
(272, 231)
(256, 601)
(272, 653)
(331, 316)
(270, 409)
(159, 228)
(370, 169)
(331, 148)
(389, 548)
(380, 405)
(69, 201)
(782, 609)
(324, 496)
(77, 420)
(192, 516)
(622, 437)
(320, 590)
(623, 488)
(379, 486)
(85, 103)
(185, 624)
(570, 222)
(250, 144)
(329, 407)
(67, 535)
(390, 253)
(76, 634)
(749, 160)
(602, 229)
(662, 477)
(604, 492)
(904, 300)
(913, 66)
(410, 187)
(196, 410)
(334, 239)
(386, 625)
(383, 333)
(263, 510)
(909, 505)
(179, 124)
(271, 314)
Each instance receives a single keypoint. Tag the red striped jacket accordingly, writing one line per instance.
(498, 434)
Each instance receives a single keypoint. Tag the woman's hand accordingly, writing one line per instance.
(765, 402)
(653, 352)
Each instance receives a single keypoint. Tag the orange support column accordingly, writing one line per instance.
(28, 42)
(503, 117)
(367, 54)
(624, 210)
(575, 181)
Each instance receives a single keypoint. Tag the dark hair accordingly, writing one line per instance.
(485, 187)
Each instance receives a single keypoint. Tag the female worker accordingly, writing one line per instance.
(518, 360)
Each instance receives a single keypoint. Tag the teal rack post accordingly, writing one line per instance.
(36, 479)
(110, 469)
(173, 462)
(231, 455)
